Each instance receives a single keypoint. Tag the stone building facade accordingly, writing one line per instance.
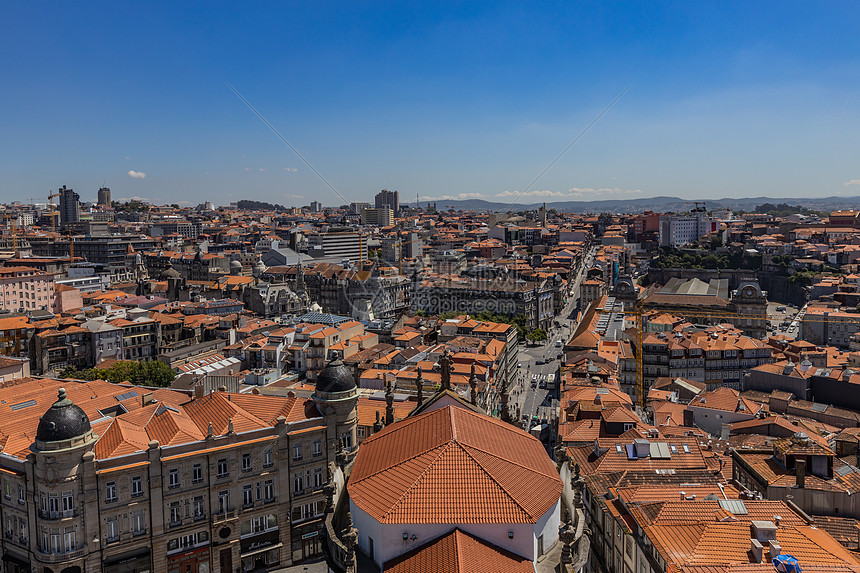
(134, 481)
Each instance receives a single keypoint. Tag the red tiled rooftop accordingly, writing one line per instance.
(459, 552)
(453, 465)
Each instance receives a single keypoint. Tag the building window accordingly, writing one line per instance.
(223, 501)
(136, 486)
(318, 477)
(298, 483)
(20, 493)
(110, 492)
(297, 451)
(246, 462)
(68, 504)
(199, 507)
(173, 479)
(138, 523)
(111, 529)
(175, 513)
(267, 459)
(247, 496)
(269, 490)
(222, 468)
(317, 447)
(197, 473)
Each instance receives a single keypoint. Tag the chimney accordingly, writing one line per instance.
(146, 399)
(688, 419)
(756, 550)
(198, 391)
(773, 548)
(683, 495)
(800, 472)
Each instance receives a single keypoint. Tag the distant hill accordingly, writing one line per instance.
(640, 204)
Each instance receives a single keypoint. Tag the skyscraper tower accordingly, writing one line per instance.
(390, 199)
(70, 206)
(104, 196)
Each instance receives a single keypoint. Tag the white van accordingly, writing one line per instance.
(558, 344)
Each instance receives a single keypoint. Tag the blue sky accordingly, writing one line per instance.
(442, 100)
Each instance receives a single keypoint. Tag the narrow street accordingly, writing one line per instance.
(537, 402)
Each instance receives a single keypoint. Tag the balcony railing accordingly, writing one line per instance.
(45, 514)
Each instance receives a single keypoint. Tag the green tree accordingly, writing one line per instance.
(150, 373)
(536, 335)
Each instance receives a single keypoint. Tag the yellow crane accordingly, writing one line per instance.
(53, 213)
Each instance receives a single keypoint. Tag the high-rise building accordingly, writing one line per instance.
(70, 206)
(316, 206)
(104, 196)
(386, 198)
(337, 245)
(380, 216)
(679, 230)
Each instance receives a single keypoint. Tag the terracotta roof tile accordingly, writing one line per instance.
(459, 552)
(453, 465)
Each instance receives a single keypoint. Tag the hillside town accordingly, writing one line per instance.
(383, 386)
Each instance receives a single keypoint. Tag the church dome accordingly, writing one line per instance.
(235, 265)
(63, 421)
(335, 377)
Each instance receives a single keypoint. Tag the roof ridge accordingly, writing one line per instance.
(458, 549)
(442, 449)
(494, 480)
(531, 469)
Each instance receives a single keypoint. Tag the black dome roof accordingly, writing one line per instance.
(62, 421)
(335, 377)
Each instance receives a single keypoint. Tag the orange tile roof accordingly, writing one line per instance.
(459, 552)
(453, 465)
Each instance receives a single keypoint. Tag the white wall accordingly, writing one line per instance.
(547, 526)
(388, 540)
(712, 420)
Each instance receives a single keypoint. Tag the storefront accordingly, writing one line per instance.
(196, 561)
(306, 541)
(261, 551)
(139, 561)
(15, 564)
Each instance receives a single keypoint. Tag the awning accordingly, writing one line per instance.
(262, 550)
(125, 557)
(8, 558)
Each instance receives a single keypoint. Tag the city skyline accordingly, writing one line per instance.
(454, 102)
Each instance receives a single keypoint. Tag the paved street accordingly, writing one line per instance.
(536, 401)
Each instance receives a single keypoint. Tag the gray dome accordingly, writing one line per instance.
(63, 421)
(234, 264)
(335, 377)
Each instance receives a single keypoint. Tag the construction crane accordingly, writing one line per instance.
(639, 311)
(53, 213)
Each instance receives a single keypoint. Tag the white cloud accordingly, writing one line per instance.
(128, 157)
(535, 193)
(261, 169)
(291, 169)
(852, 182)
(137, 174)
(294, 196)
(132, 198)
(572, 193)
(247, 169)
(458, 197)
